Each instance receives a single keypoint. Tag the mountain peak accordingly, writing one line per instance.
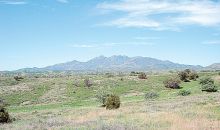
(121, 63)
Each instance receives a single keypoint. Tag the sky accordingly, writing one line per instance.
(38, 33)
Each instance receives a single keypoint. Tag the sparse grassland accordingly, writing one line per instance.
(64, 102)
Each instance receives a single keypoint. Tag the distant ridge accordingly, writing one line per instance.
(116, 63)
(215, 66)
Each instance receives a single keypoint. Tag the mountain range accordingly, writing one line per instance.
(121, 63)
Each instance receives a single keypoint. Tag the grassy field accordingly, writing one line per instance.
(63, 102)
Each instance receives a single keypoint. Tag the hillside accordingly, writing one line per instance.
(215, 66)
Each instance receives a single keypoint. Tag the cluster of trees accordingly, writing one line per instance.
(207, 83)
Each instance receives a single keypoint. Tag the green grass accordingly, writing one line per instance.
(61, 95)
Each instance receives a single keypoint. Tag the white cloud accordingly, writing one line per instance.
(163, 14)
(63, 1)
(13, 2)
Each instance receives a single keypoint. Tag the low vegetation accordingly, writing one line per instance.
(188, 75)
(208, 84)
(151, 95)
(173, 83)
(184, 92)
(4, 115)
(142, 75)
(18, 78)
(112, 102)
(60, 100)
(102, 95)
(88, 83)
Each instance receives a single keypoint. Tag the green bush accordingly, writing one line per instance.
(151, 95)
(18, 78)
(183, 76)
(184, 92)
(173, 83)
(142, 75)
(193, 76)
(208, 84)
(206, 80)
(4, 116)
(102, 95)
(210, 87)
(112, 102)
(188, 75)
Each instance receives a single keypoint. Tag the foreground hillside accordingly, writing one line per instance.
(63, 102)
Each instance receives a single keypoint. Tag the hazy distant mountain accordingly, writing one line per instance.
(119, 63)
(215, 66)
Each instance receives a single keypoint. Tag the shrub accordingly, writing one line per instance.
(208, 84)
(142, 75)
(173, 83)
(112, 102)
(188, 75)
(109, 75)
(218, 73)
(193, 76)
(184, 92)
(206, 80)
(88, 83)
(4, 116)
(183, 75)
(102, 95)
(210, 87)
(18, 78)
(151, 95)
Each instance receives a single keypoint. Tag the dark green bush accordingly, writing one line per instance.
(206, 80)
(183, 76)
(18, 78)
(151, 95)
(112, 102)
(210, 87)
(4, 116)
(184, 92)
(208, 84)
(173, 83)
(142, 75)
(193, 76)
(188, 75)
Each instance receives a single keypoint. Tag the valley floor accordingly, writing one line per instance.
(198, 111)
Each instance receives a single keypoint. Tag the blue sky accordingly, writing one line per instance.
(37, 33)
